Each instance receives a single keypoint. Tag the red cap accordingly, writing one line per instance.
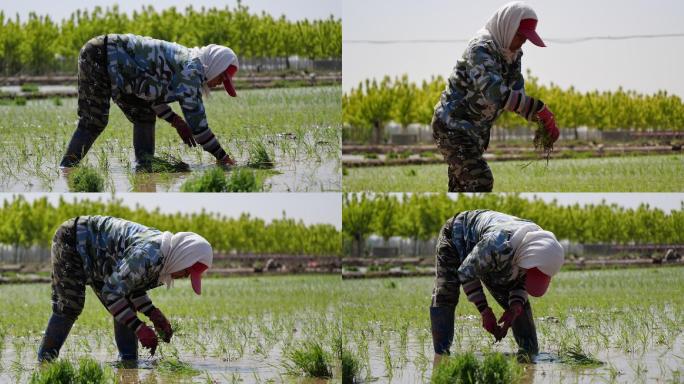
(527, 29)
(536, 282)
(228, 82)
(196, 276)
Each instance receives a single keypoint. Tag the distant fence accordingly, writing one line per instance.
(21, 255)
(393, 133)
(397, 247)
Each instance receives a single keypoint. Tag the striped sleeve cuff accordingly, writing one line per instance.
(210, 144)
(142, 303)
(124, 314)
(163, 111)
(475, 293)
(523, 105)
(517, 295)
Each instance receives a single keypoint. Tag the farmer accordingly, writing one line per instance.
(484, 83)
(512, 257)
(120, 260)
(143, 75)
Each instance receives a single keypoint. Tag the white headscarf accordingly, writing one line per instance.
(537, 248)
(504, 24)
(215, 59)
(183, 250)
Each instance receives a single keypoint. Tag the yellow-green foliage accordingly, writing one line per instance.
(404, 102)
(421, 216)
(24, 223)
(38, 44)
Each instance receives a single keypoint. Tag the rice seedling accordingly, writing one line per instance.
(176, 367)
(88, 371)
(259, 157)
(163, 163)
(351, 367)
(462, 368)
(308, 359)
(499, 369)
(85, 179)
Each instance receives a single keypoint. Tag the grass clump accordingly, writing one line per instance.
(89, 371)
(29, 88)
(498, 369)
(259, 157)
(466, 369)
(308, 359)
(457, 369)
(85, 179)
(351, 367)
(212, 180)
(574, 355)
(20, 101)
(215, 180)
(243, 180)
(165, 163)
(174, 366)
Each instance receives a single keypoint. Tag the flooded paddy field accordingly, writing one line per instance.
(619, 325)
(299, 128)
(238, 330)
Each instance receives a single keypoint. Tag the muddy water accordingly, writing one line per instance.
(413, 364)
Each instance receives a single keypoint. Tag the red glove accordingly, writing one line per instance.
(147, 338)
(507, 318)
(183, 131)
(489, 321)
(161, 325)
(225, 161)
(549, 121)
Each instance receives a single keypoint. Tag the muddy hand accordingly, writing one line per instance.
(489, 321)
(147, 338)
(184, 131)
(161, 325)
(226, 160)
(500, 333)
(513, 311)
(546, 117)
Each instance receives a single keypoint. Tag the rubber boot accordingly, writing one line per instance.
(55, 334)
(143, 146)
(127, 343)
(442, 319)
(525, 333)
(78, 147)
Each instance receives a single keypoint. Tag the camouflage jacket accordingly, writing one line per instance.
(122, 260)
(161, 72)
(478, 89)
(482, 240)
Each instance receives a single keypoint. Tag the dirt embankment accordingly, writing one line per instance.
(67, 84)
(224, 265)
(364, 268)
(387, 155)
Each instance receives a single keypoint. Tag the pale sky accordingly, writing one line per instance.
(292, 9)
(312, 208)
(645, 65)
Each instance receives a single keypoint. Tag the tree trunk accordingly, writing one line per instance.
(377, 133)
(358, 246)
